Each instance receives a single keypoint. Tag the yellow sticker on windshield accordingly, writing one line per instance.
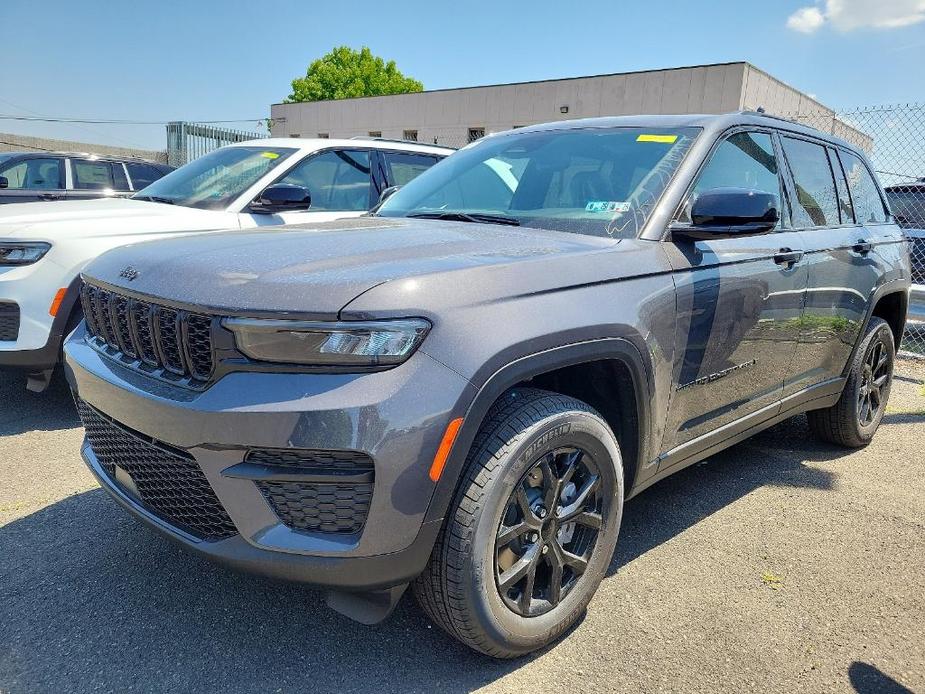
(668, 139)
(269, 155)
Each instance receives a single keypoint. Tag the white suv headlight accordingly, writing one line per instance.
(22, 253)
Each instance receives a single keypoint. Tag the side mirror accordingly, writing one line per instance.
(5, 183)
(282, 197)
(387, 193)
(723, 212)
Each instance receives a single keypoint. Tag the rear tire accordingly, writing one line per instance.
(535, 449)
(855, 418)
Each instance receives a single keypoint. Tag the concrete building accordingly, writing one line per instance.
(456, 116)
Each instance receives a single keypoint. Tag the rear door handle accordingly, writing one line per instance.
(788, 257)
(863, 247)
(48, 196)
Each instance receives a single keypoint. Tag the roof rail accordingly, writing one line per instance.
(398, 140)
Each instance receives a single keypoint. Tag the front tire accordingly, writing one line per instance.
(855, 418)
(532, 528)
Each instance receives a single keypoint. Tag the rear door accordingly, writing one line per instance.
(739, 302)
(403, 167)
(850, 248)
(33, 178)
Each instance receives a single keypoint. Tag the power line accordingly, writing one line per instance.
(115, 121)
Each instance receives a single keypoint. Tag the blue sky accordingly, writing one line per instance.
(199, 59)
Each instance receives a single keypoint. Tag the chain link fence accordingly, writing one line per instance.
(896, 146)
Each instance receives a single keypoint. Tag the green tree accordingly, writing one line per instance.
(345, 73)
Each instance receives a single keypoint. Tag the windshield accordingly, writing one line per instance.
(213, 181)
(596, 181)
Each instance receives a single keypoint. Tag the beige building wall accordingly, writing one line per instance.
(445, 116)
(25, 143)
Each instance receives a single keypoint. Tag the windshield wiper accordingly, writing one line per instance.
(154, 198)
(477, 217)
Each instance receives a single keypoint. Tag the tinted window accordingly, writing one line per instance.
(845, 208)
(817, 201)
(91, 175)
(120, 182)
(39, 174)
(404, 168)
(143, 175)
(337, 180)
(868, 206)
(596, 181)
(908, 203)
(743, 160)
(216, 179)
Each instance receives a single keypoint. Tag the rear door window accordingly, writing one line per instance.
(338, 180)
(816, 203)
(865, 193)
(404, 167)
(33, 174)
(92, 175)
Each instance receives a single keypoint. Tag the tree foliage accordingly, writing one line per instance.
(345, 73)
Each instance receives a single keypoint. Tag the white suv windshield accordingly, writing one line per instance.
(213, 181)
(597, 181)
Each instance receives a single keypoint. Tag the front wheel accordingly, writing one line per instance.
(532, 529)
(855, 418)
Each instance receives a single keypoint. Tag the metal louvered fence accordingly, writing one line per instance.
(188, 141)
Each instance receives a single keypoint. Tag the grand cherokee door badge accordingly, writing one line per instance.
(718, 375)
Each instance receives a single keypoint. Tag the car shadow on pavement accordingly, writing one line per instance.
(775, 457)
(23, 411)
(94, 601)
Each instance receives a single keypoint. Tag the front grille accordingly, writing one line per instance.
(9, 321)
(169, 484)
(336, 507)
(917, 251)
(160, 340)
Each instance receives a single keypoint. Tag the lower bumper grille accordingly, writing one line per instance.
(169, 484)
(338, 507)
(9, 321)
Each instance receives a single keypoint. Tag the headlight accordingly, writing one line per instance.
(17, 253)
(366, 344)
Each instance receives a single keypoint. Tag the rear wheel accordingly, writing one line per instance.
(855, 418)
(532, 528)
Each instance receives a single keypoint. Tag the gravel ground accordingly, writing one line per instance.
(779, 565)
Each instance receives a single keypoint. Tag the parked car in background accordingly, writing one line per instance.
(459, 392)
(47, 176)
(44, 245)
(907, 201)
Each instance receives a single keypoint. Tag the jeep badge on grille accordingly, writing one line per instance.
(129, 273)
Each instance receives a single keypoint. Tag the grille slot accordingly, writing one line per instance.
(338, 507)
(175, 343)
(170, 484)
(9, 321)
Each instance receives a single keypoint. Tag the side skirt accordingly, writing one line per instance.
(815, 397)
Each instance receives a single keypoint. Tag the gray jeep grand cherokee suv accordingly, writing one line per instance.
(461, 391)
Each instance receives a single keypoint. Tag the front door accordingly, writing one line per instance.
(739, 303)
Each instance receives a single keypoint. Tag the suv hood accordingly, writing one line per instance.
(313, 271)
(103, 216)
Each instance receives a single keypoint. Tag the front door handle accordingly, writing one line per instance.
(862, 247)
(788, 257)
(48, 196)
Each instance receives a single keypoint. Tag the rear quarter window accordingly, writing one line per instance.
(865, 193)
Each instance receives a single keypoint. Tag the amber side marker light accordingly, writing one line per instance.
(56, 302)
(449, 436)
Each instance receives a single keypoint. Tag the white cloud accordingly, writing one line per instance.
(806, 20)
(847, 15)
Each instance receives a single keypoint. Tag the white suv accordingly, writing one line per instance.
(44, 246)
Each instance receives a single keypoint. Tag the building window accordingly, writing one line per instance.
(515, 127)
(323, 136)
(476, 134)
(411, 135)
(375, 133)
(296, 135)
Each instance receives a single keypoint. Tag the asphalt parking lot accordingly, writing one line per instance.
(779, 565)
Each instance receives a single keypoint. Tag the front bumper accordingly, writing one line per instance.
(397, 417)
